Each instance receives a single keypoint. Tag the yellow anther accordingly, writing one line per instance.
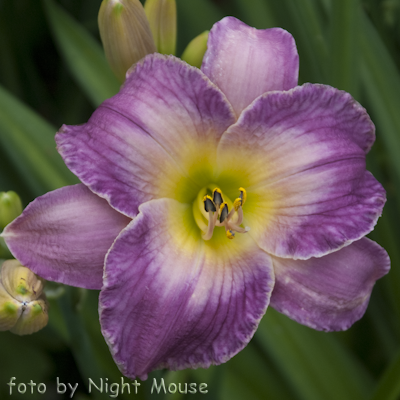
(237, 203)
(223, 212)
(230, 234)
(243, 195)
(218, 190)
(217, 197)
(209, 204)
(223, 205)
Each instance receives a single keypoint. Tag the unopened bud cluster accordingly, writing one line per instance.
(23, 305)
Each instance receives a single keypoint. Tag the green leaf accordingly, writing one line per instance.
(79, 340)
(314, 363)
(301, 18)
(381, 81)
(25, 361)
(249, 375)
(387, 231)
(344, 72)
(256, 13)
(388, 387)
(29, 142)
(83, 55)
(195, 17)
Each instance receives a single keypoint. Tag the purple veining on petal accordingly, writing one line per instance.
(172, 300)
(303, 152)
(332, 292)
(245, 62)
(64, 236)
(136, 145)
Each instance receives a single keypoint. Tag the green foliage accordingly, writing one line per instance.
(52, 71)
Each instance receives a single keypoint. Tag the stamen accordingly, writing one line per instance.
(243, 195)
(217, 197)
(238, 229)
(237, 203)
(240, 216)
(216, 211)
(209, 204)
(230, 234)
(223, 212)
(231, 213)
(210, 229)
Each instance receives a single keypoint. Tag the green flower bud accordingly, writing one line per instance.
(162, 18)
(125, 33)
(10, 208)
(195, 50)
(23, 305)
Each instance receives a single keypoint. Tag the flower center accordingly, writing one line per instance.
(216, 211)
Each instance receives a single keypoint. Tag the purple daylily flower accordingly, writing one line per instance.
(175, 291)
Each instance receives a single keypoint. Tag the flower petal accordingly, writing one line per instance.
(171, 299)
(156, 138)
(245, 62)
(332, 292)
(64, 236)
(301, 154)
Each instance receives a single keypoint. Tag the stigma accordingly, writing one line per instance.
(217, 212)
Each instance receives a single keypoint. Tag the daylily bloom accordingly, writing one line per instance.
(214, 193)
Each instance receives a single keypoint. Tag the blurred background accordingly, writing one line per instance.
(53, 71)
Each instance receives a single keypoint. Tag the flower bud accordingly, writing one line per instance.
(162, 18)
(23, 305)
(195, 50)
(125, 33)
(10, 208)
